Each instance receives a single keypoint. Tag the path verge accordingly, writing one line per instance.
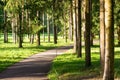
(35, 67)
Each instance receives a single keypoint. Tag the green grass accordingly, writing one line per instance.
(10, 53)
(69, 67)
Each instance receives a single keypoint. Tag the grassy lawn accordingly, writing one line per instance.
(69, 67)
(10, 53)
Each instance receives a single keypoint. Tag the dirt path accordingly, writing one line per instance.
(35, 67)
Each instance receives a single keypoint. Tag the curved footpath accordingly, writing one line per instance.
(35, 67)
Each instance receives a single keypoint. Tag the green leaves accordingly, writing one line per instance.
(36, 26)
(14, 6)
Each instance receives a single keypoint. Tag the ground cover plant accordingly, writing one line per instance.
(10, 53)
(69, 67)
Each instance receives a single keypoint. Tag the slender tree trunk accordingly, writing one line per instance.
(75, 27)
(5, 27)
(55, 34)
(54, 24)
(65, 32)
(38, 38)
(48, 28)
(102, 34)
(14, 30)
(43, 28)
(109, 41)
(87, 34)
(71, 21)
(23, 20)
(79, 51)
(32, 38)
(38, 33)
(20, 30)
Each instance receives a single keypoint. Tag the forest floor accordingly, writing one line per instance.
(35, 67)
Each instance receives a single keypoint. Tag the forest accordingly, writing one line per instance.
(91, 26)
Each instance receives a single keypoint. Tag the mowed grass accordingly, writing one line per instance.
(10, 53)
(69, 67)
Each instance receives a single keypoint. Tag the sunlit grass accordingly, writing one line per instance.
(10, 53)
(69, 67)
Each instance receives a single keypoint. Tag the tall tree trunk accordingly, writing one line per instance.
(65, 32)
(48, 28)
(87, 34)
(20, 30)
(14, 29)
(43, 28)
(109, 41)
(32, 38)
(54, 24)
(38, 33)
(55, 34)
(79, 51)
(5, 27)
(102, 34)
(71, 21)
(38, 38)
(75, 26)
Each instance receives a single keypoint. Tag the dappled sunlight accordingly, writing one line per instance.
(68, 66)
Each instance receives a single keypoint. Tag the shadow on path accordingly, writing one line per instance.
(35, 67)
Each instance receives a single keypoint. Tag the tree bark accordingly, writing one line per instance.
(71, 21)
(79, 51)
(48, 28)
(20, 30)
(14, 24)
(75, 26)
(38, 33)
(102, 34)
(5, 27)
(87, 34)
(109, 41)
(32, 38)
(54, 22)
(55, 34)
(43, 28)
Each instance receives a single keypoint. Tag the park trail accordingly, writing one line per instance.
(35, 67)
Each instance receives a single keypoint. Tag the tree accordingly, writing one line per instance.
(75, 24)
(38, 32)
(102, 34)
(17, 9)
(43, 17)
(5, 25)
(48, 27)
(87, 33)
(71, 21)
(54, 21)
(109, 41)
(79, 51)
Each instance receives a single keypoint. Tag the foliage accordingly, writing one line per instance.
(69, 67)
(12, 54)
(35, 26)
(14, 6)
(117, 12)
(95, 15)
(1, 17)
